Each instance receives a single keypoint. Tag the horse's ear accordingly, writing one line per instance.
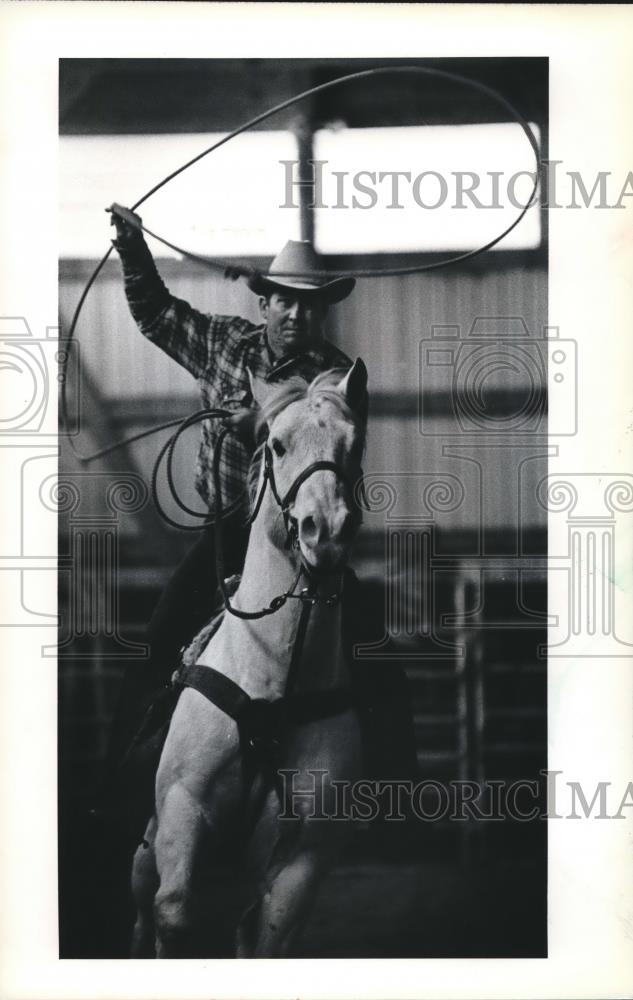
(354, 388)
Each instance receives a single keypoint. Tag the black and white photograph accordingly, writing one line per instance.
(320, 528)
(408, 644)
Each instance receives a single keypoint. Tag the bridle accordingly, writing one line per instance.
(284, 503)
(309, 594)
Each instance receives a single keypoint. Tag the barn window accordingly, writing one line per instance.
(225, 205)
(423, 189)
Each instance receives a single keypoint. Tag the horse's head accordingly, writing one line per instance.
(324, 422)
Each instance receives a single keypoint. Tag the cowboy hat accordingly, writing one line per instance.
(299, 258)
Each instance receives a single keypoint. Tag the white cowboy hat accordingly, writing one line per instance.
(299, 258)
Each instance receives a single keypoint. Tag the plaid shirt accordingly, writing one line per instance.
(216, 350)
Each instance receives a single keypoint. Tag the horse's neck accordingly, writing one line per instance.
(258, 654)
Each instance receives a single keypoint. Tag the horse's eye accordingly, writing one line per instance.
(278, 447)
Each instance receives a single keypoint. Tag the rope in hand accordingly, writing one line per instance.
(234, 271)
(276, 602)
(168, 449)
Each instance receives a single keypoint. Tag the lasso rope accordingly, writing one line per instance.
(235, 271)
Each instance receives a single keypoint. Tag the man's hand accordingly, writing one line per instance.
(126, 222)
(243, 423)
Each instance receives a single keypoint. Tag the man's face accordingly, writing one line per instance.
(294, 322)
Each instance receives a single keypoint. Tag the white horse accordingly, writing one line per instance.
(217, 784)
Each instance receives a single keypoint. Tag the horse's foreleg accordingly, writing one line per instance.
(144, 886)
(271, 930)
(181, 827)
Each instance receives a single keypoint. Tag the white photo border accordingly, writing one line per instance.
(590, 298)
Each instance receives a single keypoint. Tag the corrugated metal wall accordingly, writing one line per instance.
(385, 322)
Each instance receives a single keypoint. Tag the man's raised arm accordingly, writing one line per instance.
(175, 326)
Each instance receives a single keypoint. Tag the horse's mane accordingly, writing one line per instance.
(291, 390)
